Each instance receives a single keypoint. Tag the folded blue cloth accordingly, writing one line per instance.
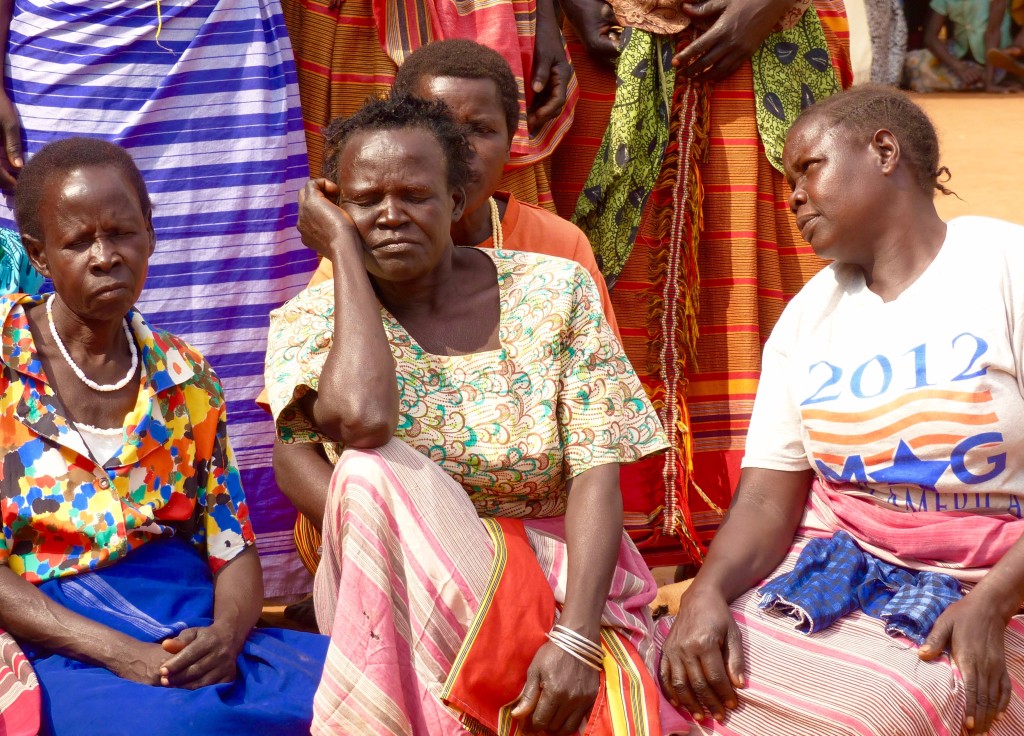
(834, 577)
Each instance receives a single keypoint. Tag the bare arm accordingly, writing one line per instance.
(969, 74)
(10, 123)
(303, 474)
(974, 630)
(207, 655)
(560, 690)
(32, 617)
(357, 399)
(703, 661)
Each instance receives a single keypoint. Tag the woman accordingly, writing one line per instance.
(203, 94)
(349, 50)
(478, 86)
(128, 573)
(895, 381)
(500, 407)
(691, 224)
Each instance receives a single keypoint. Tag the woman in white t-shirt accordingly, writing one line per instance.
(891, 407)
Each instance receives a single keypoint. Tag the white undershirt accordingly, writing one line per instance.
(103, 444)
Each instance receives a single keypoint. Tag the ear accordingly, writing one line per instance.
(887, 148)
(36, 254)
(458, 203)
(152, 232)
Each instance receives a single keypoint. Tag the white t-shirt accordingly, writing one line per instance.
(919, 402)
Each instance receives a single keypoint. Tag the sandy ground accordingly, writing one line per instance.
(981, 139)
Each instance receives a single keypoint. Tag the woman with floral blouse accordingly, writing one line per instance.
(127, 568)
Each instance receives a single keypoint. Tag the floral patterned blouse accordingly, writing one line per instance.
(511, 425)
(61, 513)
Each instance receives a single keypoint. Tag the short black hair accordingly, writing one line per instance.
(398, 111)
(462, 59)
(872, 107)
(60, 158)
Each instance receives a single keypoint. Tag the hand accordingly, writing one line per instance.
(595, 24)
(551, 72)
(975, 633)
(141, 663)
(735, 30)
(702, 662)
(10, 128)
(558, 694)
(321, 222)
(200, 656)
(970, 74)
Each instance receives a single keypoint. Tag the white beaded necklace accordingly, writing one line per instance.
(496, 235)
(74, 366)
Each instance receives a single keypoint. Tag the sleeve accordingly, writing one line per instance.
(301, 335)
(775, 437)
(604, 415)
(225, 529)
(583, 254)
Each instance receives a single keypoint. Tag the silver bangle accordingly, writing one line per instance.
(567, 648)
(583, 641)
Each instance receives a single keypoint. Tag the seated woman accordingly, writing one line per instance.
(482, 406)
(961, 62)
(895, 382)
(478, 86)
(127, 567)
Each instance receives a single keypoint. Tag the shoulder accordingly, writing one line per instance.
(537, 270)
(985, 235)
(315, 300)
(541, 218)
(170, 359)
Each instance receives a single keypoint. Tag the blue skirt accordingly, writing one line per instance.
(155, 592)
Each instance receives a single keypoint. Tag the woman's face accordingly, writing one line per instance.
(394, 186)
(836, 187)
(476, 104)
(96, 241)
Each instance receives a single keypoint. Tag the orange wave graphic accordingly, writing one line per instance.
(904, 423)
(963, 397)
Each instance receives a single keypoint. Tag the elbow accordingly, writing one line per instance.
(362, 428)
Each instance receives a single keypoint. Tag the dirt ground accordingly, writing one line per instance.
(981, 140)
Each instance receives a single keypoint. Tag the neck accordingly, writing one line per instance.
(474, 227)
(427, 293)
(88, 341)
(904, 251)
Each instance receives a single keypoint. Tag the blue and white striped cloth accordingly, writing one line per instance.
(210, 112)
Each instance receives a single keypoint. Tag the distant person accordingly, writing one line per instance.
(960, 63)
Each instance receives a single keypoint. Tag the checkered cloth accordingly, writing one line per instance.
(834, 577)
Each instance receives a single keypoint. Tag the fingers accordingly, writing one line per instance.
(700, 46)
(702, 689)
(676, 684)
(573, 722)
(529, 696)
(735, 664)
(545, 712)
(194, 649)
(553, 104)
(12, 141)
(938, 639)
(988, 694)
(541, 74)
(704, 8)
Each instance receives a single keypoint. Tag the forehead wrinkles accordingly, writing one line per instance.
(412, 156)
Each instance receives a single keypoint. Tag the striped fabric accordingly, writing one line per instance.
(750, 259)
(203, 94)
(852, 679)
(19, 691)
(422, 576)
(341, 63)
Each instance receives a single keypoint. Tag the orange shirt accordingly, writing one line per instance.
(534, 230)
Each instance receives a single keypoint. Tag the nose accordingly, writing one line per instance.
(104, 254)
(391, 214)
(796, 198)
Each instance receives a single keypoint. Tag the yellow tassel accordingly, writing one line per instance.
(160, 27)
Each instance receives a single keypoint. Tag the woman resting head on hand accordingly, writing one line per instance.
(127, 568)
(885, 461)
(481, 406)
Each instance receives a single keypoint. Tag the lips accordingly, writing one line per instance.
(803, 222)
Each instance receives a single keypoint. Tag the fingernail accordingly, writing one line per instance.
(19, 161)
(730, 703)
(537, 87)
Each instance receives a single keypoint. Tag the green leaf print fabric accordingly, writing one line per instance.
(629, 159)
(792, 70)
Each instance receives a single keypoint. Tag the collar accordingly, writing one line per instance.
(165, 365)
